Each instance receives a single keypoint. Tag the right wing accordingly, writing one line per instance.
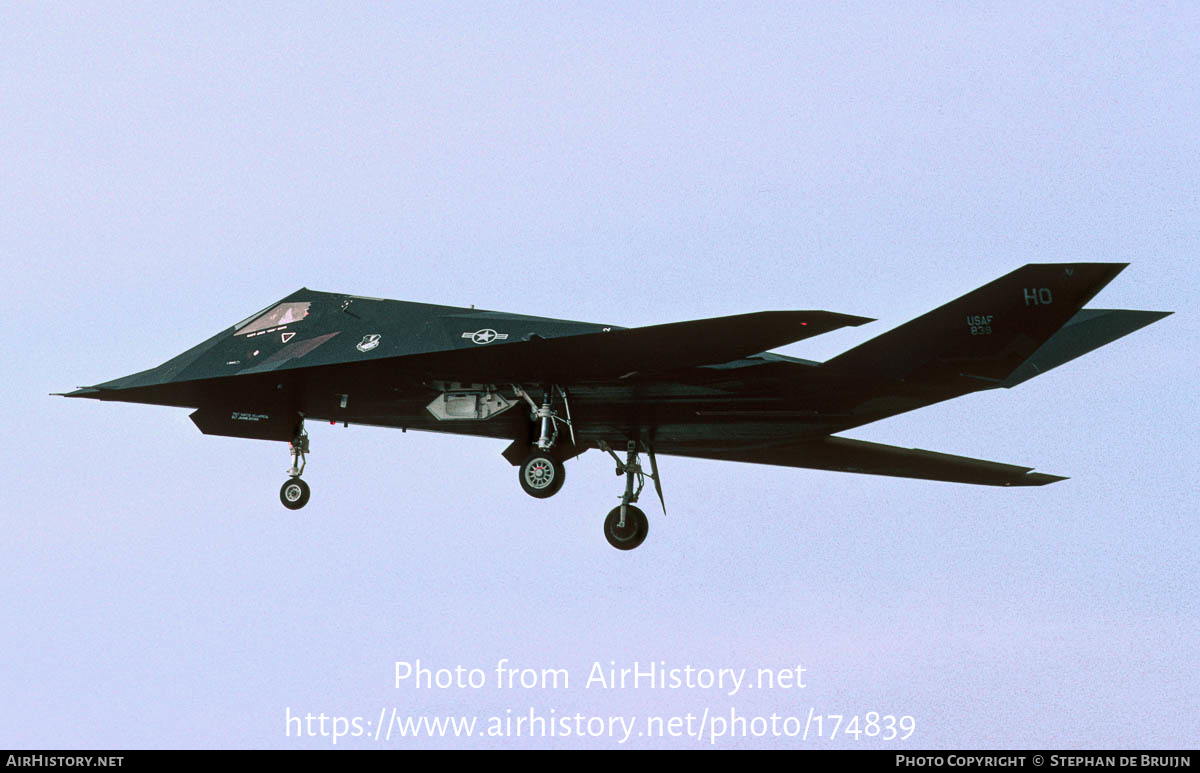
(620, 353)
(313, 367)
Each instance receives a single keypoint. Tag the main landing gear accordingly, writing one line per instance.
(626, 526)
(629, 535)
(542, 473)
(294, 493)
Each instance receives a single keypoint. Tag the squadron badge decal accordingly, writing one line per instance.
(368, 343)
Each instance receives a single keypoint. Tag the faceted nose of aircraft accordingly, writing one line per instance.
(80, 392)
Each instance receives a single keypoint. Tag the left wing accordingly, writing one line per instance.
(846, 455)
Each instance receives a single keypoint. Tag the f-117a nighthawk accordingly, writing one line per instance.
(706, 388)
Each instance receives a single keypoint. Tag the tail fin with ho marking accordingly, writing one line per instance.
(989, 332)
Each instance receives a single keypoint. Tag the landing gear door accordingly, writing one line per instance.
(255, 425)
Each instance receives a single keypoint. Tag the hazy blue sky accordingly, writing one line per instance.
(166, 169)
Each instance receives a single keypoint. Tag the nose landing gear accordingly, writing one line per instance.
(294, 493)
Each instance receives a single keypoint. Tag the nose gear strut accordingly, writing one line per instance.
(294, 493)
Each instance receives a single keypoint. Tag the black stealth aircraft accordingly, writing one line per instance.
(706, 388)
